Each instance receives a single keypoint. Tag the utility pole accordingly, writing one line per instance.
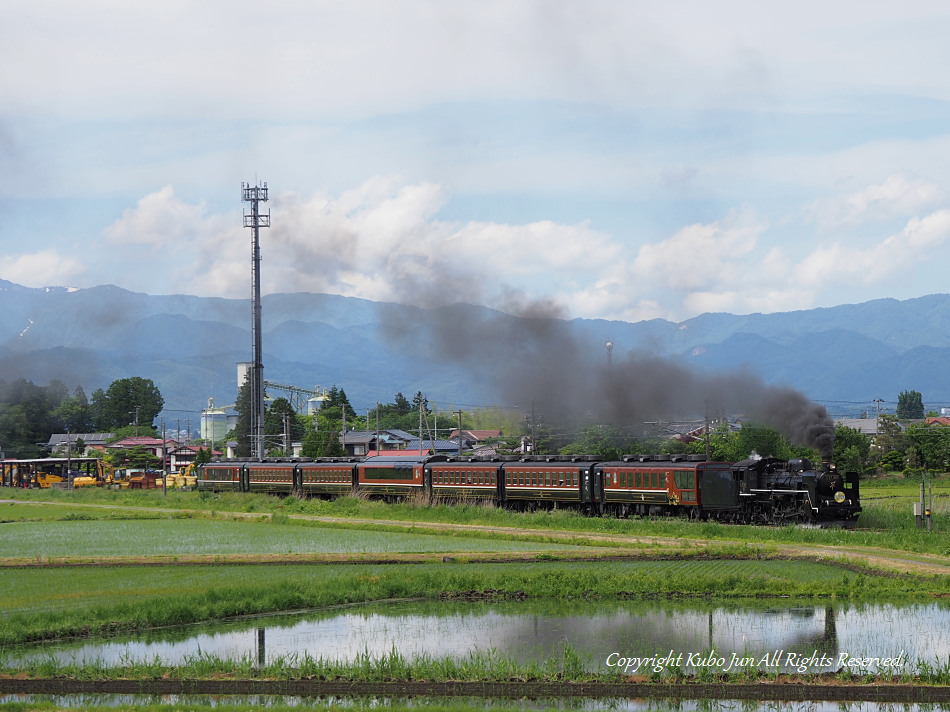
(164, 464)
(706, 418)
(459, 414)
(287, 434)
(255, 195)
(877, 423)
(69, 464)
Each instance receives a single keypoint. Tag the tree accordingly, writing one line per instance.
(762, 440)
(279, 412)
(605, 442)
(931, 445)
(890, 435)
(851, 450)
(242, 429)
(419, 401)
(203, 456)
(74, 413)
(134, 457)
(401, 405)
(27, 416)
(128, 400)
(910, 405)
(324, 442)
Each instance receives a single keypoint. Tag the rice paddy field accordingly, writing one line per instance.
(189, 537)
(98, 562)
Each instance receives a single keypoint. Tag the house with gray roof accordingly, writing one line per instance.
(57, 444)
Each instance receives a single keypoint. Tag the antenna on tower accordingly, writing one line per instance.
(255, 195)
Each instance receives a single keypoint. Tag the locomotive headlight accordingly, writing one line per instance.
(839, 496)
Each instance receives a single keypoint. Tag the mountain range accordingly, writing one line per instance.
(843, 356)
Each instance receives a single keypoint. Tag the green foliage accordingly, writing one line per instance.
(910, 405)
(127, 400)
(606, 442)
(891, 435)
(131, 431)
(852, 448)
(893, 461)
(28, 416)
(765, 441)
(74, 412)
(242, 430)
(134, 457)
(203, 456)
(280, 415)
(931, 445)
(324, 442)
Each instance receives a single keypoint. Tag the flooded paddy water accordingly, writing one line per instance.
(634, 637)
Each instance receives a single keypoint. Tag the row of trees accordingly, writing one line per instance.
(320, 433)
(30, 414)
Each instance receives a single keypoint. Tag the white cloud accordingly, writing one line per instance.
(879, 262)
(161, 220)
(698, 255)
(41, 269)
(897, 196)
(384, 240)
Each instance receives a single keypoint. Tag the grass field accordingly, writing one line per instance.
(43, 603)
(887, 520)
(187, 537)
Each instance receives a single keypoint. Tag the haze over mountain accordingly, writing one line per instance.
(843, 357)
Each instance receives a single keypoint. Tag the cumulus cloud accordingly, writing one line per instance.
(878, 262)
(41, 269)
(897, 196)
(159, 219)
(384, 240)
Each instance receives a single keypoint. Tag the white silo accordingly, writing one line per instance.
(214, 423)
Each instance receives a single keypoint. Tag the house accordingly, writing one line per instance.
(148, 443)
(180, 457)
(939, 420)
(359, 442)
(472, 439)
(91, 441)
(868, 426)
(436, 447)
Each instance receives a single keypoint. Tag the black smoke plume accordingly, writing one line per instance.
(530, 355)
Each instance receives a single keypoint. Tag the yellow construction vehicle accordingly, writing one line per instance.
(44, 479)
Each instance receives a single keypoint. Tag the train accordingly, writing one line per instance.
(753, 491)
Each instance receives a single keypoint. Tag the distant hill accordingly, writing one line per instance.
(189, 345)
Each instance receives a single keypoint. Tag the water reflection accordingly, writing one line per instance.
(533, 630)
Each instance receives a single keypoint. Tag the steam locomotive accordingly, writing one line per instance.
(754, 491)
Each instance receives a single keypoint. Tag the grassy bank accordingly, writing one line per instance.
(567, 666)
(39, 604)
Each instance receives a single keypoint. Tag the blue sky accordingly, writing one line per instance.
(625, 160)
